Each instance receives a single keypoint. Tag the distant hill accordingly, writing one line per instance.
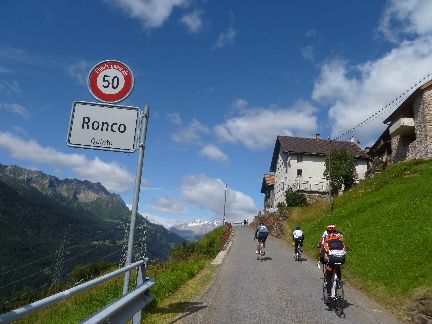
(194, 230)
(48, 225)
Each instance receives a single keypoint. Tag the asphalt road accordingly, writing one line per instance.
(277, 290)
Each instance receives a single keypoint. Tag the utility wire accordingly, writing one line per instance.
(414, 86)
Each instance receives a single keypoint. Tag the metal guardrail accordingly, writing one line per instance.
(126, 307)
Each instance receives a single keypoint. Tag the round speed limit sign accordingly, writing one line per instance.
(110, 81)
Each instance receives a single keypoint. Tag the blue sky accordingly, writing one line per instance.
(222, 80)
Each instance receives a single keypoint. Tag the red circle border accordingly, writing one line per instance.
(115, 97)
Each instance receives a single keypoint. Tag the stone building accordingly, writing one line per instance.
(267, 188)
(410, 127)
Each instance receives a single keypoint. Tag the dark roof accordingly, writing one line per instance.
(312, 146)
(383, 143)
(268, 181)
(403, 109)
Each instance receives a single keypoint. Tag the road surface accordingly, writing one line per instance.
(277, 290)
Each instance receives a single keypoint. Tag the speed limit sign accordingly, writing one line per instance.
(110, 81)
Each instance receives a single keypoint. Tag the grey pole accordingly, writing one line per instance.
(144, 121)
(329, 175)
(223, 223)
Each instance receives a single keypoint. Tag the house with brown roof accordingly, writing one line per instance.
(410, 127)
(298, 164)
(267, 188)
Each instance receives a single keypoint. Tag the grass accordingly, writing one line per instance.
(387, 226)
(186, 262)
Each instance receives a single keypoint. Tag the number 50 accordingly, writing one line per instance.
(113, 83)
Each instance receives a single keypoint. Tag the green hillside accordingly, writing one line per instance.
(48, 226)
(387, 225)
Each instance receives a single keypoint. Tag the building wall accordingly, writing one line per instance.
(421, 148)
(312, 179)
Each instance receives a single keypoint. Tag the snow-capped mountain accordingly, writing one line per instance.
(195, 229)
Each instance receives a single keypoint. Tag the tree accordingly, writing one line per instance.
(342, 169)
(295, 199)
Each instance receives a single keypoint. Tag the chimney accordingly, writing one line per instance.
(317, 137)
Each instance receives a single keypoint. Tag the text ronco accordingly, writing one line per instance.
(103, 126)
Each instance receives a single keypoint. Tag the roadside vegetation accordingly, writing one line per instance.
(186, 261)
(387, 225)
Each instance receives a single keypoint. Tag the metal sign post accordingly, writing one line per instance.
(144, 120)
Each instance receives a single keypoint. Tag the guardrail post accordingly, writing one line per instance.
(140, 277)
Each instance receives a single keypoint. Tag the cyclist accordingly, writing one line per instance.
(298, 238)
(332, 251)
(261, 234)
(329, 229)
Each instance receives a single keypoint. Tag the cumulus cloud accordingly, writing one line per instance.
(191, 134)
(168, 204)
(225, 38)
(111, 175)
(355, 92)
(193, 21)
(208, 194)
(175, 118)
(16, 109)
(257, 128)
(214, 153)
(151, 13)
(406, 17)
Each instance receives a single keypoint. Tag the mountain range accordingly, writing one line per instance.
(48, 226)
(194, 230)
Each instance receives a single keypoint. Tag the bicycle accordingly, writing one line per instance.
(298, 252)
(261, 252)
(337, 292)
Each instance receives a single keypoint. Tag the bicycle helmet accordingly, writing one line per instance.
(331, 228)
(298, 227)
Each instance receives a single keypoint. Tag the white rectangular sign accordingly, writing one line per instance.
(103, 127)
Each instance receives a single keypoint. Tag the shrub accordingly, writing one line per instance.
(295, 199)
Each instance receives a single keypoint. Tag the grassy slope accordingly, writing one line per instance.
(387, 225)
(169, 277)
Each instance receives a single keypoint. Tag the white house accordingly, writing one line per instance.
(298, 164)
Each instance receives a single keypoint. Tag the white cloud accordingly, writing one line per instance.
(191, 134)
(111, 175)
(214, 153)
(208, 194)
(164, 221)
(193, 21)
(406, 17)
(308, 53)
(10, 88)
(79, 71)
(311, 33)
(151, 13)
(240, 103)
(354, 92)
(257, 128)
(168, 204)
(175, 118)
(16, 109)
(225, 38)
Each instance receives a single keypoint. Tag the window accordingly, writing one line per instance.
(299, 172)
(299, 158)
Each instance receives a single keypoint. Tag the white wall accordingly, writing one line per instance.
(312, 178)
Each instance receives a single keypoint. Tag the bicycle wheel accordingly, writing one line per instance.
(339, 298)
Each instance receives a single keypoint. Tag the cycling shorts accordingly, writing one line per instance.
(262, 237)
